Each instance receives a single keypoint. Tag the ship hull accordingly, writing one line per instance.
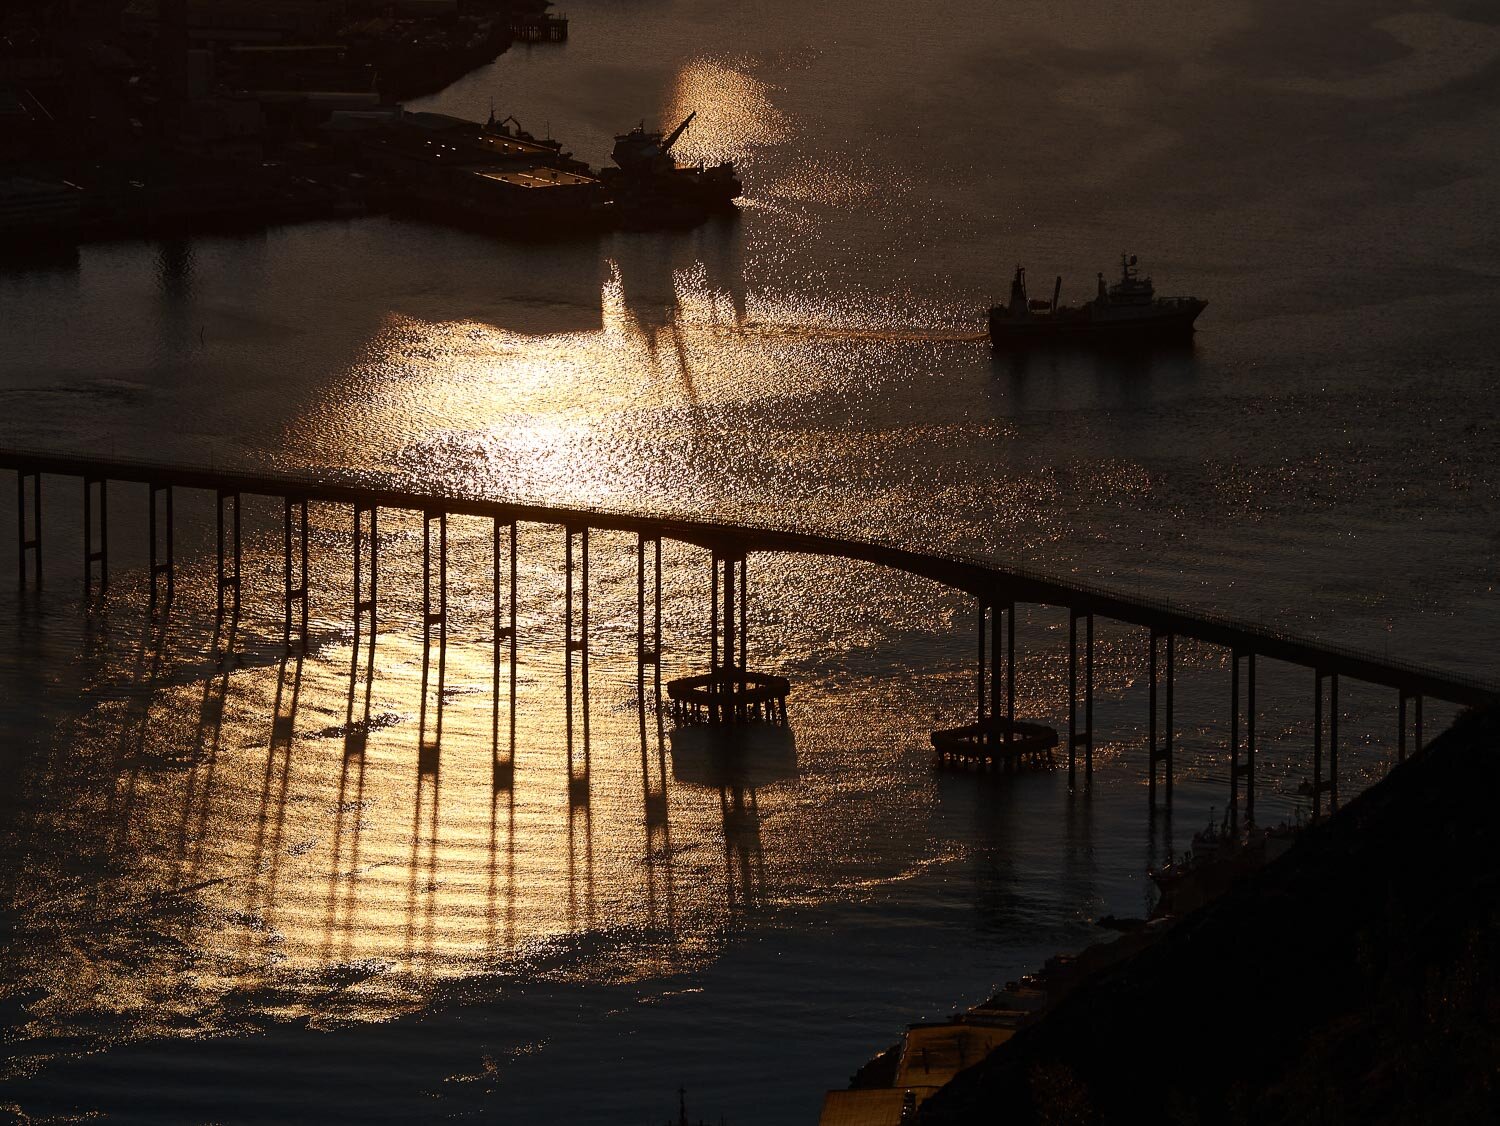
(1165, 326)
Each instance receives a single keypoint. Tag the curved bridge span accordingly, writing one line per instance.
(997, 588)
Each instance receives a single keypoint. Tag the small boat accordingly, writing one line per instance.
(1127, 312)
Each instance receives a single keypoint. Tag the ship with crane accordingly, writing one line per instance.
(650, 189)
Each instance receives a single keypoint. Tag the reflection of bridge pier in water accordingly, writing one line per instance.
(276, 784)
(729, 692)
(204, 754)
(744, 860)
(654, 777)
(131, 748)
(737, 762)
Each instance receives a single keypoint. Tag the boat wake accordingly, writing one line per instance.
(892, 335)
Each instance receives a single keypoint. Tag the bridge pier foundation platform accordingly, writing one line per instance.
(996, 739)
(729, 692)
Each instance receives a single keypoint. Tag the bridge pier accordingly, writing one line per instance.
(1162, 753)
(294, 512)
(730, 692)
(1333, 742)
(727, 659)
(996, 739)
(357, 733)
(363, 604)
(91, 553)
(33, 542)
(1416, 699)
(232, 579)
(1081, 736)
(158, 567)
(1331, 789)
(429, 748)
(504, 635)
(578, 771)
(1242, 774)
(993, 617)
(648, 648)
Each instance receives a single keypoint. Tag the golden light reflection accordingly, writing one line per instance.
(345, 836)
(736, 114)
(629, 413)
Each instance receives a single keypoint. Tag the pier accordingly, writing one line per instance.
(530, 27)
(728, 691)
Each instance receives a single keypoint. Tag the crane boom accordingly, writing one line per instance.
(668, 143)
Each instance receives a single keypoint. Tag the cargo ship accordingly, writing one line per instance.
(1127, 312)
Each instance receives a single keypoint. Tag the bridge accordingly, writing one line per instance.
(741, 692)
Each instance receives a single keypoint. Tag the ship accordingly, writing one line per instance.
(1128, 311)
(1220, 855)
(651, 189)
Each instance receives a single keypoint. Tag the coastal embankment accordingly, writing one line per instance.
(1355, 979)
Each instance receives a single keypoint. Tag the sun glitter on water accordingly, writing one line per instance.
(736, 114)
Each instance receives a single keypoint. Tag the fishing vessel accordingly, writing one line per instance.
(1127, 311)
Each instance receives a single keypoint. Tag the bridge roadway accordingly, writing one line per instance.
(986, 580)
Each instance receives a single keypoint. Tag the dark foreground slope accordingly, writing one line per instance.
(1356, 980)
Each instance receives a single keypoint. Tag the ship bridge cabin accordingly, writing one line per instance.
(1131, 289)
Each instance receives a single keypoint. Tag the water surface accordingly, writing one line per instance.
(222, 907)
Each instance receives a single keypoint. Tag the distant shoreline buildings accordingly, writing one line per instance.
(130, 116)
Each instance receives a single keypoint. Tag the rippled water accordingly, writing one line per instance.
(222, 906)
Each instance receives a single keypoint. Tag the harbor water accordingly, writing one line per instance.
(219, 907)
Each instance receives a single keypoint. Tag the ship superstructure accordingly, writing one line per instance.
(651, 187)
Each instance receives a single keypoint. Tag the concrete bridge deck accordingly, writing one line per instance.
(985, 579)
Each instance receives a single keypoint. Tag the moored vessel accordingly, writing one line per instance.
(1128, 311)
(652, 190)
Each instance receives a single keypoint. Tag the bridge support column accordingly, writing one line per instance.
(1317, 779)
(1242, 772)
(1401, 725)
(648, 642)
(157, 564)
(33, 542)
(1416, 700)
(997, 683)
(1330, 786)
(995, 672)
(1333, 742)
(1010, 669)
(95, 548)
(1162, 753)
(981, 712)
(1081, 736)
(294, 570)
(729, 692)
(431, 617)
(357, 733)
(576, 585)
(365, 595)
(429, 747)
(504, 610)
(231, 579)
(729, 655)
